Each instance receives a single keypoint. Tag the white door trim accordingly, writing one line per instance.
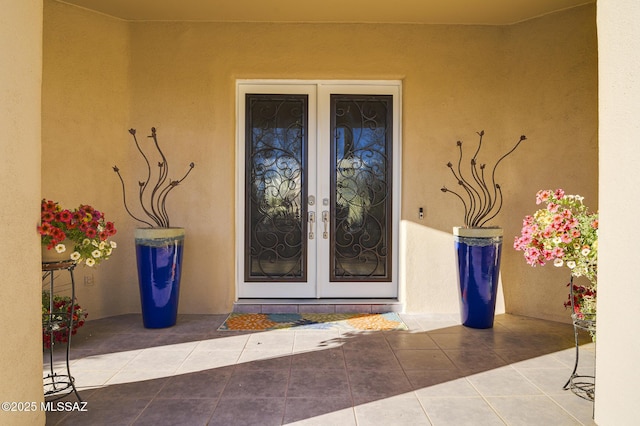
(319, 93)
(256, 289)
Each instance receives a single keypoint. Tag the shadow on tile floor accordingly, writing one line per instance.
(436, 373)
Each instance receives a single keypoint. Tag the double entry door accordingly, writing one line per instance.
(318, 190)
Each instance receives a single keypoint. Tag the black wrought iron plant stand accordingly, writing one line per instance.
(582, 385)
(56, 385)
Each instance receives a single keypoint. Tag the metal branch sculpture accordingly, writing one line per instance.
(156, 210)
(482, 200)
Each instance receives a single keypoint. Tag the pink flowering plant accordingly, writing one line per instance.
(84, 229)
(564, 233)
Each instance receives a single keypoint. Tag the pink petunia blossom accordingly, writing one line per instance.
(547, 254)
(528, 230)
(542, 196)
(531, 260)
(520, 243)
(557, 219)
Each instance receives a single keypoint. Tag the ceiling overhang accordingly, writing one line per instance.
(467, 12)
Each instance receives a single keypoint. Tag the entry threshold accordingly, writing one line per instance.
(317, 306)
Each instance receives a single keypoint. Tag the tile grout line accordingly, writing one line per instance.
(346, 369)
(404, 372)
(233, 370)
(286, 390)
(484, 398)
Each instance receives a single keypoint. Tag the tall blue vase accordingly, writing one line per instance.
(478, 252)
(159, 258)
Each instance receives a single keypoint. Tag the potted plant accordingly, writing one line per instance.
(159, 246)
(55, 319)
(478, 246)
(81, 235)
(565, 233)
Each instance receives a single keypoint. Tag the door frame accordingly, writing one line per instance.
(311, 290)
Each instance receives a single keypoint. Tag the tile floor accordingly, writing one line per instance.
(437, 373)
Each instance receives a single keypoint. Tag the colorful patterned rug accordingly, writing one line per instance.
(346, 322)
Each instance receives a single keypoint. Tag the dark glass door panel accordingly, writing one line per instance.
(361, 188)
(276, 188)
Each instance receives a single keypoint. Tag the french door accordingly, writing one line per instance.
(318, 190)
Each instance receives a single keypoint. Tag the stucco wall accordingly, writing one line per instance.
(552, 97)
(537, 78)
(20, 81)
(85, 117)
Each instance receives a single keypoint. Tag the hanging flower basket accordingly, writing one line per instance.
(81, 235)
(565, 233)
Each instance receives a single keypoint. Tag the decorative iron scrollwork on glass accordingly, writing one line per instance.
(361, 187)
(276, 162)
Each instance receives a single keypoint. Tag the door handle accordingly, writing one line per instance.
(325, 220)
(312, 221)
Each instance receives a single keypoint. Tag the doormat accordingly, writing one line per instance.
(345, 322)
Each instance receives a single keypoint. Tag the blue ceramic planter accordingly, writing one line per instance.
(159, 257)
(478, 252)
